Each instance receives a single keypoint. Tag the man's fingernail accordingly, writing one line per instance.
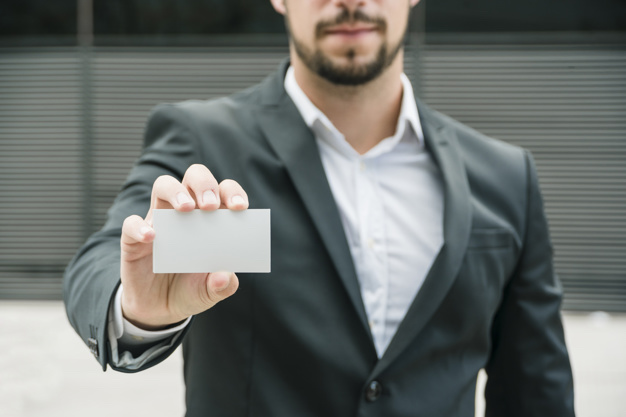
(236, 200)
(209, 197)
(145, 230)
(224, 284)
(183, 198)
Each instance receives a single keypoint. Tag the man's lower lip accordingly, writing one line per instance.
(351, 33)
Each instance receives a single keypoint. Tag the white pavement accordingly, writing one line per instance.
(45, 370)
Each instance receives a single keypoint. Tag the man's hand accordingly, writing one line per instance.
(153, 301)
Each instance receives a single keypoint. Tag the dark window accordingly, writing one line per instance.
(525, 16)
(189, 17)
(38, 19)
(50, 22)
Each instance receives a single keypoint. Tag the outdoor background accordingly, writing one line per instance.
(79, 77)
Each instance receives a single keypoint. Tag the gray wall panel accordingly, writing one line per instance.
(40, 176)
(72, 121)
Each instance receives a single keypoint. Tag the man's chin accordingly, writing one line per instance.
(349, 71)
(349, 67)
(349, 76)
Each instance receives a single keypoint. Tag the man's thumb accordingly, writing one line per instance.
(221, 285)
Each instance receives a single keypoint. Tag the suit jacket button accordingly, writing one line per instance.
(373, 391)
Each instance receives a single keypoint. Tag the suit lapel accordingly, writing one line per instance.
(441, 142)
(295, 145)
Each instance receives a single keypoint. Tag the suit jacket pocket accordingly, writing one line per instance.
(490, 239)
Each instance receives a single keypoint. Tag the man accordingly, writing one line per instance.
(408, 251)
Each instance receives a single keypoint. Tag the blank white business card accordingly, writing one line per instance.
(220, 240)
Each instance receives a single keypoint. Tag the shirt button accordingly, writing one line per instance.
(371, 323)
(371, 243)
(363, 166)
(373, 391)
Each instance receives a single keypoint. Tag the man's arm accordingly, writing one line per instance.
(123, 247)
(529, 371)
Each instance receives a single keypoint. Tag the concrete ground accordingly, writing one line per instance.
(45, 370)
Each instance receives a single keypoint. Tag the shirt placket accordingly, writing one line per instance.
(371, 239)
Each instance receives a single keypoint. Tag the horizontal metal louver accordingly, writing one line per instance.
(566, 104)
(40, 169)
(72, 120)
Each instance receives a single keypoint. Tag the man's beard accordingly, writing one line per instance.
(352, 74)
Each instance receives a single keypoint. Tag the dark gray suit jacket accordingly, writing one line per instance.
(296, 342)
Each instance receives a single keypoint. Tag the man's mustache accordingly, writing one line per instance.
(349, 17)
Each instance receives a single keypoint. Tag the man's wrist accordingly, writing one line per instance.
(142, 324)
(129, 333)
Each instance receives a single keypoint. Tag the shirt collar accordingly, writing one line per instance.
(313, 117)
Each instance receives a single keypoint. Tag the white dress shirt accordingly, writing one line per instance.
(390, 201)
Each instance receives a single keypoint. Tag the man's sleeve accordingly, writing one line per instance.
(529, 371)
(93, 276)
(131, 347)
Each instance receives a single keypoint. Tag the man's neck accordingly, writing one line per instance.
(364, 114)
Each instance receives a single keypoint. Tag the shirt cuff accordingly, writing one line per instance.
(128, 334)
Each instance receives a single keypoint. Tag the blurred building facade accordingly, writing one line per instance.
(78, 79)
